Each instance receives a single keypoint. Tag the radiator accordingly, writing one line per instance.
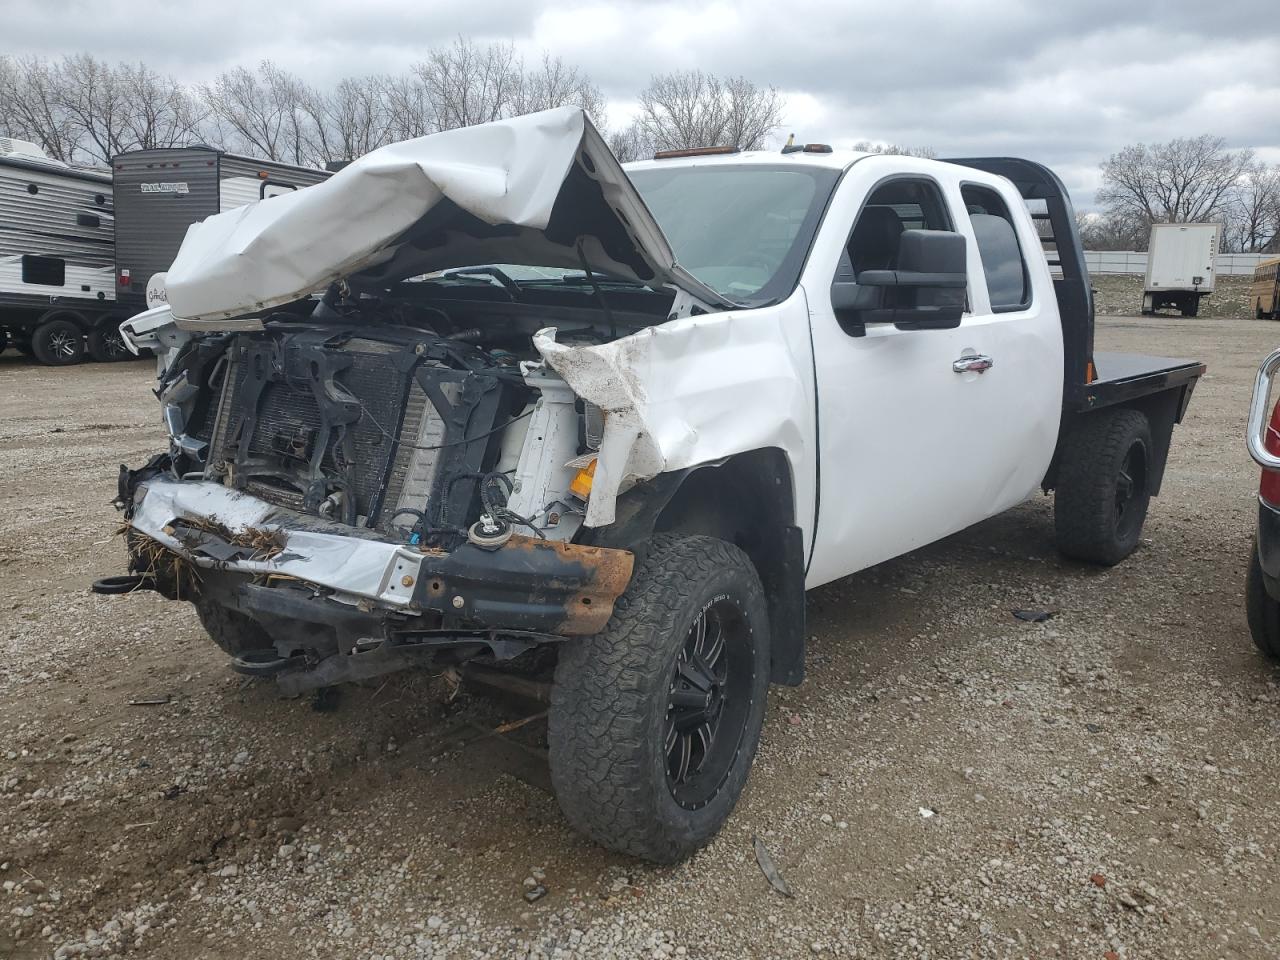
(387, 475)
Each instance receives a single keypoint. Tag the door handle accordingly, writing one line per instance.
(978, 364)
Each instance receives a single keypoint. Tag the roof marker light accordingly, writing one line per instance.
(694, 152)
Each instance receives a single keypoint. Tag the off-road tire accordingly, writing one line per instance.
(609, 702)
(1262, 612)
(104, 343)
(58, 343)
(1089, 475)
(233, 632)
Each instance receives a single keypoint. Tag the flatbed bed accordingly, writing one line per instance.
(1121, 377)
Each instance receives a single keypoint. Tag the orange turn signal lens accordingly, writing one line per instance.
(581, 485)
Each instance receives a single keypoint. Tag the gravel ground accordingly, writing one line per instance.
(1122, 293)
(949, 782)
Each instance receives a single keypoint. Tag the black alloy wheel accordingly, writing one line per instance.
(1131, 485)
(708, 703)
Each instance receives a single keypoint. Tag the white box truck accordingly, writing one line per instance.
(1180, 266)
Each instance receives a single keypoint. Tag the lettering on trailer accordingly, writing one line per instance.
(180, 187)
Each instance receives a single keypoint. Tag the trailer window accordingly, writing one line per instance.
(1008, 285)
(45, 271)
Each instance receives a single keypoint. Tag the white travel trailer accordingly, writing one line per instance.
(57, 258)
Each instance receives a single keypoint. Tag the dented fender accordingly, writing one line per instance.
(695, 390)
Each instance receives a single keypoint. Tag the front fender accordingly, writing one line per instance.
(694, 391)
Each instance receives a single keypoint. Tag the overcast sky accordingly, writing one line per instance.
(1065, 83)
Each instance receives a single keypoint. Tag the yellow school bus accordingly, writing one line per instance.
(1265, 291)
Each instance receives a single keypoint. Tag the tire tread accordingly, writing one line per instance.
(600, 703)
(1091, 455)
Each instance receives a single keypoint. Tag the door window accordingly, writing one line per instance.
(903, 204)
(1008, 285)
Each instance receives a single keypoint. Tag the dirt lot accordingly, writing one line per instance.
(1121, 293)
(1106, 784)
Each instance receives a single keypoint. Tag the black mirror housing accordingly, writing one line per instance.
(926, 292)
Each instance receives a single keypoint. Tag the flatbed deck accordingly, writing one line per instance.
(1124, 376)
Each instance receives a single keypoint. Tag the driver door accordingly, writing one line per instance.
(904, 424)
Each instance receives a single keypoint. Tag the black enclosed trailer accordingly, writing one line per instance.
(159, 193)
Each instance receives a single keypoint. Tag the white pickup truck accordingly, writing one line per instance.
(627, 418)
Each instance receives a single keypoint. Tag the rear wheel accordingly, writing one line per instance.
(104, 342)
(58, 342)
(1262, 612)
(1102, 493)
(655, 721)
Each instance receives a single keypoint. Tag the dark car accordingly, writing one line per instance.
(1262, 588)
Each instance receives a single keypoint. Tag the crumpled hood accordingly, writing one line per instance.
(541, 189)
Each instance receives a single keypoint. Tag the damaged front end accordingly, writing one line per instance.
(390, 473)
(367, 496)
(422, 462)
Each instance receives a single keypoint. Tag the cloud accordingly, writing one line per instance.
(1067, 84)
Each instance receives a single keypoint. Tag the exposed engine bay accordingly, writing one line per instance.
(408, 416)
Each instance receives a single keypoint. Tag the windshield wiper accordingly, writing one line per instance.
(496, 273)
(582, 280)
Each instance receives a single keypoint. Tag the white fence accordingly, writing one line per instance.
(1131, 261)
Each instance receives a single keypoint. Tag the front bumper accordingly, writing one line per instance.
(526, 586)
(1269, 547)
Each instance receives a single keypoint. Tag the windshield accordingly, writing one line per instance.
(743, 230)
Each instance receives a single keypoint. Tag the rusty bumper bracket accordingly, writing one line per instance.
(540, 586)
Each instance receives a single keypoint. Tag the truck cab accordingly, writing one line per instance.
(622, 417)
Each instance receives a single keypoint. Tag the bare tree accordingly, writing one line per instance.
(32, 106)
(161, 112)
(84, 110)
(553, 83)
(409, 113)
(630, 143)
(269, 113)
(751, 113)
(1103, 231)
(894, 149)
(1186, 180)
(351, 120)
(1254, 223)
(94, 98)
(689, 108)
(466, 84)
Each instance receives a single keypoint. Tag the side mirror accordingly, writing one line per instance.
(926, 292)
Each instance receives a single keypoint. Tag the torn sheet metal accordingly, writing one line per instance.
(353, 566)
(693, 391)
(541, 189)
